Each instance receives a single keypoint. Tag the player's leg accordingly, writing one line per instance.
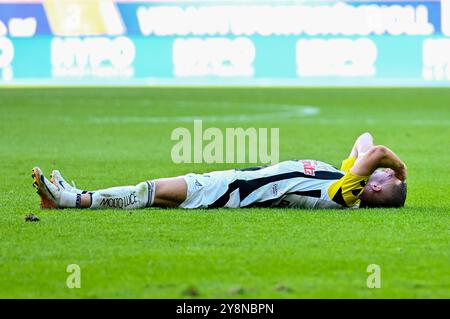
(169, 192)
(165, 192)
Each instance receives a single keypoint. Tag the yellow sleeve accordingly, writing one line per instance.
(347, 190)
(348, 163)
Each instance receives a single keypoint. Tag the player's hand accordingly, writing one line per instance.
(402, 172)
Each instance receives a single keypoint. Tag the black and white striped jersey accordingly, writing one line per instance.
(295, 184)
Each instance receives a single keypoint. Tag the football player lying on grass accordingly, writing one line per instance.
(372, 176)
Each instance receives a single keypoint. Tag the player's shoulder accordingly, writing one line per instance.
(313, 162)
(318, 169)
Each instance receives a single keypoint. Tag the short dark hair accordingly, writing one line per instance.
(396, 200)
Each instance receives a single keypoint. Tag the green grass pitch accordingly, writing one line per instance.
(102, 137)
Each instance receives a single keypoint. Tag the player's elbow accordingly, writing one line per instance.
(378, 152)
(367, 134)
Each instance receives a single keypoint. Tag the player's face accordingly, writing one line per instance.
(380, 184)
(384, 176)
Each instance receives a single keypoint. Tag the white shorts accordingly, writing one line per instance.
(204, 189)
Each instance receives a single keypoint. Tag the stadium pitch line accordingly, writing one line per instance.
(280, 112)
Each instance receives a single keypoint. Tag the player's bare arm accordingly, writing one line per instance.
(379, 156)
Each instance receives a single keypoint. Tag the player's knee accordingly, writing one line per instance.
(146, 191)
(170, 190)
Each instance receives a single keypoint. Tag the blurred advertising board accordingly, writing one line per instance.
(225, 42)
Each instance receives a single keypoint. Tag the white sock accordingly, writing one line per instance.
(125, 197)
(69, 200)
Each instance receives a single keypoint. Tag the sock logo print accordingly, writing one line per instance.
(121, 202)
